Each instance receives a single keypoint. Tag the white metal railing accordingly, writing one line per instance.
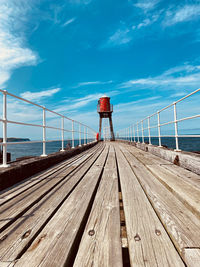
(138, 134)
(85, 132)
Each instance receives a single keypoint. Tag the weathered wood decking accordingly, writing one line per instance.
(113, 205)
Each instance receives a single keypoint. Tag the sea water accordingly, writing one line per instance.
(21, 150)
(35, 149)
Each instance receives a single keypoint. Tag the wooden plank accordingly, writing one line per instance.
(54, 245)
(185, 192)
(146, 157)
(186, 175)
(148, 242)
(192, 257)
(17, 237)
(6, 264)
(22, 186)
(181, 224)
(12, 209)
(101, 244)
(151, 159)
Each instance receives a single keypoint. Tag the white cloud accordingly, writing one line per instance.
(83, 101)
(146, 5)
(69, 22)
(130, 112)
(129, 106)
(181, 14)
(89, 98)
(92, 83)
(186, 68)
(80, 2)
(13, 52)
(179, 94)
(32, 96)
(179, 76)
(120, 37)
(148, 21)
(125, 34)
(144, 23)
(146, 81)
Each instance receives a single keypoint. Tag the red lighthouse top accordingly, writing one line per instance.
(105, 109)
(104, 105)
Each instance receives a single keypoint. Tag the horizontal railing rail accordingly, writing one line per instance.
(85, 133)
(135, 132)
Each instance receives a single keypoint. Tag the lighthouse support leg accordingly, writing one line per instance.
(100, 124)
(111, 129)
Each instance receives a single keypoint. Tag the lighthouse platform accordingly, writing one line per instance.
(112, 205)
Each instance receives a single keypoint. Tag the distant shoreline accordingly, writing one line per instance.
(15, 139)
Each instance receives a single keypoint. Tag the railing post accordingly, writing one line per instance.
(62, 127)
(134, 133)
(142, 132)
(87, 136)
(128, 134)
(84, 136)
(4, 163)
(176, 128)
(72, 134)
(149, 129)
(159, 135)
(138, 133)
(131, 130)
(44, 133)
(79, 134)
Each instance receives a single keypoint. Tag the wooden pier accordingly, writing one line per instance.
(112, 205)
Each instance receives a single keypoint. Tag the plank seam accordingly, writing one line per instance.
(59, 166)
(125, 251)
(75, 170)
(151, 203)
(54, 212)
(74, 248)
(170, 188)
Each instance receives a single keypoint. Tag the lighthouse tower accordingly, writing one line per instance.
(105, 109)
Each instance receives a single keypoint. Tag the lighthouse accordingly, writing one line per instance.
(105, 109)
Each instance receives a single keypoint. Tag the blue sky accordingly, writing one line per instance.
(66, 54)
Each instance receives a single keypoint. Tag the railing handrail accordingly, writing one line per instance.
(43, 107)
(89, 134)
(170, 105)
(175, 121)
